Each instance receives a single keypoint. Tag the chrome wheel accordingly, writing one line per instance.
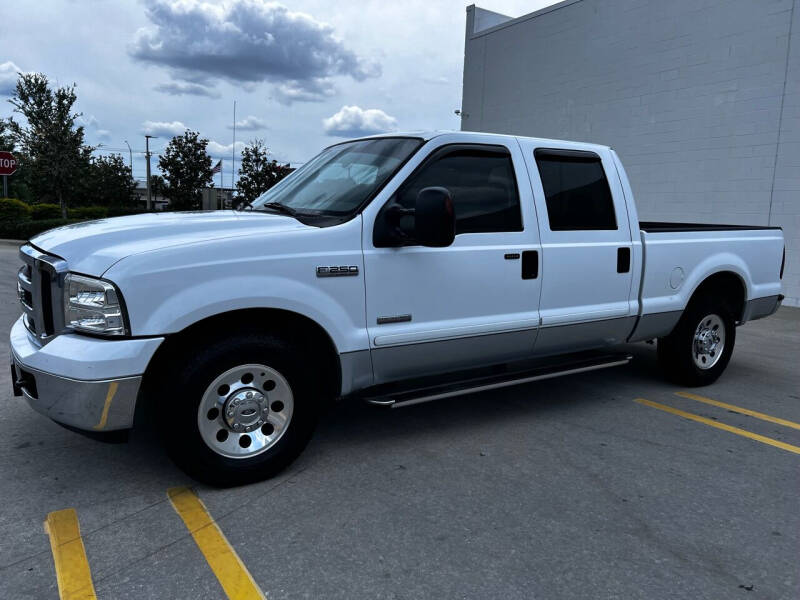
(709, 341)
(245, 411)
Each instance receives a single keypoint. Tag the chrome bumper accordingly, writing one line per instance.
(83, 382)
(106, 405)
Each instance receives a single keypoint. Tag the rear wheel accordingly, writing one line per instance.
(239, 410)
(699, 348)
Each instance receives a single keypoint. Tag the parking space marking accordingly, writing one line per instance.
(739, 409)
(72, 569)
(718, 425)
(112, 390)
(220, 555)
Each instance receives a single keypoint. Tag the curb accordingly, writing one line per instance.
(11, 242)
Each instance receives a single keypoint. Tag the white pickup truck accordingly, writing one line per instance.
(395, 269)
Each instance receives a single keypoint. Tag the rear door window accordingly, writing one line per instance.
(576, 190)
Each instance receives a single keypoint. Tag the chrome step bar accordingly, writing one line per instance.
(514, 379)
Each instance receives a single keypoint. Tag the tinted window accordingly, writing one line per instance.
(342, 178)
(576, 191)
(481, 181)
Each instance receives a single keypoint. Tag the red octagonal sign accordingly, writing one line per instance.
(8, 164)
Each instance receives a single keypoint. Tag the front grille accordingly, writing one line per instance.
(39, 287)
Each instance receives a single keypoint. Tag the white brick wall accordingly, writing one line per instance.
(700, 98)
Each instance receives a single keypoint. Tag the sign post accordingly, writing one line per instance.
(8, 165)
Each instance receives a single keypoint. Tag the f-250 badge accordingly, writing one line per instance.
(344, 271)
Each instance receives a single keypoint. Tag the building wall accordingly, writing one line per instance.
(700, 98)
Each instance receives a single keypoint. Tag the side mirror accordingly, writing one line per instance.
(434, 218)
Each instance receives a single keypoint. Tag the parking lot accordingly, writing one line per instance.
(612, 484)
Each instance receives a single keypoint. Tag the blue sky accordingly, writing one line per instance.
(304, 73)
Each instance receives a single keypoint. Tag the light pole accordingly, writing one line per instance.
(130, 156)
(147, 154)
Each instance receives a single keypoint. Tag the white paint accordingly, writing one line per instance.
(176, 269)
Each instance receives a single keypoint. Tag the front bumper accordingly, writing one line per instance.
(86, 383)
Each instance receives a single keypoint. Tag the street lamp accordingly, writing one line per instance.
(130, 153)
(147, 154)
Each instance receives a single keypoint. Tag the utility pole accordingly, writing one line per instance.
(147, 154)
(233, 148)
(130, 159)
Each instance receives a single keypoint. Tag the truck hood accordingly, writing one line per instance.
(92, 247)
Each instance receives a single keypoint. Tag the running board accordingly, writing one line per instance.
(481, 384)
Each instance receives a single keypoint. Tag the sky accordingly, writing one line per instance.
(303, 73)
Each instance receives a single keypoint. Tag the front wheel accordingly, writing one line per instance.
(239, 410)
(698, 350)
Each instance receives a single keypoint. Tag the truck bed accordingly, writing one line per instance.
(661, 227)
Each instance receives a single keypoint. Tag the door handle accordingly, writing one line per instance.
(623, 260)
(530, 264)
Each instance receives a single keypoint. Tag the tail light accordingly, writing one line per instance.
(783, 261)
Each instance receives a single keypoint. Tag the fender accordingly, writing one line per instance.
(167, 290)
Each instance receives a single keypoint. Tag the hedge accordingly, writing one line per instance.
(88, 212)
(24, 230)
(21, 221)
(12, 210)
(39, 212)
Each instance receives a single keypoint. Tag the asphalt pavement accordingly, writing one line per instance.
(566, 488)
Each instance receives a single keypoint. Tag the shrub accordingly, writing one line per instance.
(24, 230)
(88, 212)
(40, 212)
(13, 210)
(123, 211)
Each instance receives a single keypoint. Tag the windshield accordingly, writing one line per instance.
(339, 180)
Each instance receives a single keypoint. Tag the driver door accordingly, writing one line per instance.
(474, 303)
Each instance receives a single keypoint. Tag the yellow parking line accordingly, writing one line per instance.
(739, 409)
(112, 389)
(72, 569)
(220, 555)
(723, 426)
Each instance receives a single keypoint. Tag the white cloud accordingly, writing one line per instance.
(250, 123)
(244, 41)
(354, 121)
(163, 128)
(187, 88)
(441, 80)
(312, 90)
(217, 150)
(92, 127)
(9, 73)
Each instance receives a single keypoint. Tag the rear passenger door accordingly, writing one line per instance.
(586, 249)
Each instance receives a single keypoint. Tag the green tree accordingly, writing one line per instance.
(186, 166)
(6, 139)
(49, 139)
(257, 172)
(109, 182)
(158, 187)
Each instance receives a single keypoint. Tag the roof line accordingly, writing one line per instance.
(522, 19)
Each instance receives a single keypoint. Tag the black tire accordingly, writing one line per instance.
(676, 352)
(191, 374)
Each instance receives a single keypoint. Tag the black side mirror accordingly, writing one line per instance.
(434, 218)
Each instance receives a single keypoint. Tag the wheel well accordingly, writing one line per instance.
(727, 286)
(281, 322)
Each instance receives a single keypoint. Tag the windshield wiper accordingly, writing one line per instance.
(281, 208)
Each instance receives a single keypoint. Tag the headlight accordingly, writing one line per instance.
(92, 306)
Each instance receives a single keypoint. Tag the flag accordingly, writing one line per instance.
(217, 168)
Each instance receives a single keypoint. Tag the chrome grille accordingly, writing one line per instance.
(40, 283)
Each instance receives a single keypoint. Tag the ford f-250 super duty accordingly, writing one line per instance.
(397, 269)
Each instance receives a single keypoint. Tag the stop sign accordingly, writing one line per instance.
(8, 164)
